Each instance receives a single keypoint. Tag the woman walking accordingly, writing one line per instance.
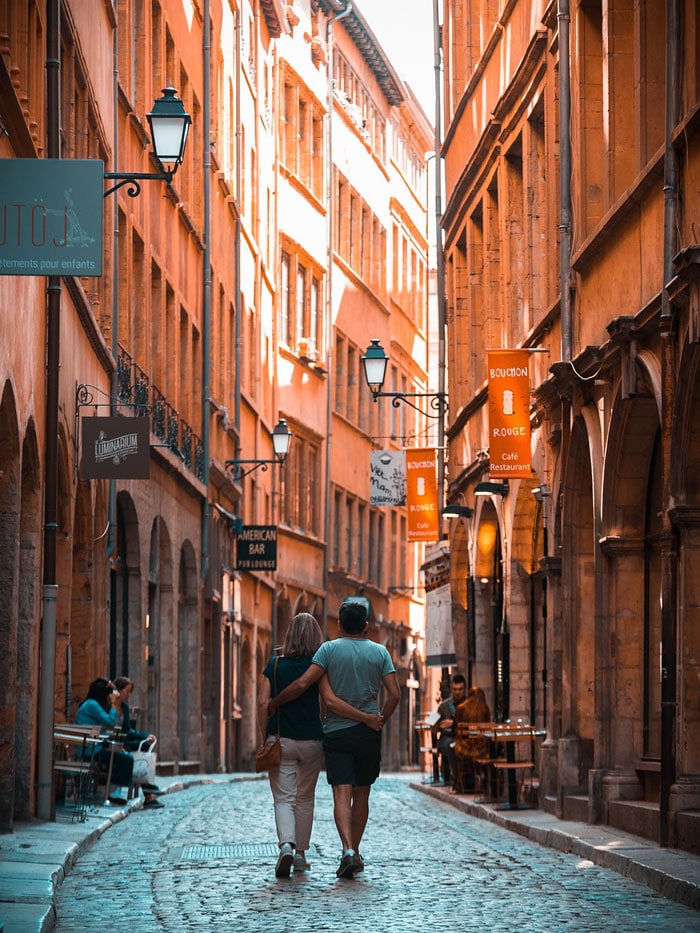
(293, 783)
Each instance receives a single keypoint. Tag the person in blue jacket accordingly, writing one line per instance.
(98, 709)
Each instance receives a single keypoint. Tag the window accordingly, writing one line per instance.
(302, 136)
(301, 483)
(301, 300)
(285, 299)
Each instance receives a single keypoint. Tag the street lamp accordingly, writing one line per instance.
(452, 510)
(492, 488)
(170, 124)
(281, 436)
(375, 362)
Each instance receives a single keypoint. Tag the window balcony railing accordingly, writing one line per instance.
(134, 389)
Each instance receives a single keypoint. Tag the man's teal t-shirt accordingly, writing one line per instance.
(355, 668)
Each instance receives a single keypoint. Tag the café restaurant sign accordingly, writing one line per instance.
(256, 548)
(421, 494)
(51, 216)
(509, 413)
(115, 448)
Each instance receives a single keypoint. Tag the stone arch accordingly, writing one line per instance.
(684, 495)
(162, 717)
(488, 602)
(461, 583)
(85, 666)
(28, 614)
(248, 737)
(578, 628)
(524, 635)
(63, 576)
(188, 679)
(10, 477)
(629, 457)
(125, 632)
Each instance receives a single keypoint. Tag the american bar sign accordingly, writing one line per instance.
(51, 216)
(256, 548)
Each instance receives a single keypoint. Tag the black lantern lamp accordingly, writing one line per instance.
(170, 125)
(453, 510)
(492, 488)
(375, 362)
(281, 436)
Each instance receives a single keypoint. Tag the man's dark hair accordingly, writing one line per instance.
(458, 679)
(352, 617)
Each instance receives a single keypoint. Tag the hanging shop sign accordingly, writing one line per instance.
(439, 640)
(387, 477)
(51, 216)
(256, 548)
(115, 447)
(421, 494)
(509, 413)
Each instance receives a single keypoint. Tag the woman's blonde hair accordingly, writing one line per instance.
(304, 637)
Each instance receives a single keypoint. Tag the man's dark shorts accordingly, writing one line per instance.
(353, 755)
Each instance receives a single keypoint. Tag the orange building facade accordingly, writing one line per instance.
(572, 169)
(244, 292)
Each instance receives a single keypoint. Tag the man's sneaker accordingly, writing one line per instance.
(285, 860)
(348, 866)
(360, 862)
(300, 863)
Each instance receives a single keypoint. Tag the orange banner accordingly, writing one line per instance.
(421, 495)
(509, 413)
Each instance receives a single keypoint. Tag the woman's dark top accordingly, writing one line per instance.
(300, 719)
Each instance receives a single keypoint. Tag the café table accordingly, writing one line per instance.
(509, 735)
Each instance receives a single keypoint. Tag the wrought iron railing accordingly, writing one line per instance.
(135, 389)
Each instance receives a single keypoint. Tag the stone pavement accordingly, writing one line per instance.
(179, 870)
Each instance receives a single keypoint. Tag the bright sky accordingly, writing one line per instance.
(405, 30)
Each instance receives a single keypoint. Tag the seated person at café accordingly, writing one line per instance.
(131, 737)
(444, 728)
(467, 748)
(99, 709)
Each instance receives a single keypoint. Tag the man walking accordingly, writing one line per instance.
(355, 669)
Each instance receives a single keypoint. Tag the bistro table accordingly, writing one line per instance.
(509, 735)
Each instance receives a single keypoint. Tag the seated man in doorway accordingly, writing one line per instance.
(444, 728)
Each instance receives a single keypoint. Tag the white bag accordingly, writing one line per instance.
(144, 763)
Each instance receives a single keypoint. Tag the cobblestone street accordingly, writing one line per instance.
(206, 863)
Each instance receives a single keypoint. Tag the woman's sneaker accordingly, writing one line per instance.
(284, 861)
(300, 863)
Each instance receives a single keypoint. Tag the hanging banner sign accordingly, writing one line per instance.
(115, 447)
(421, 494)
(509, 413)
(439, 641)
(387, 477)
(256, 548)
(51, 216)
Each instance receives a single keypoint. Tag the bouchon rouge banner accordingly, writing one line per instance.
(509, 413)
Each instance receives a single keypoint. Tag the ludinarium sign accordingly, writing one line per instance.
(509, 413)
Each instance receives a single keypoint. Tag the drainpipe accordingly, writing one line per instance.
(330, 343)
(206, 283)
(439, 254)
(49, 596)
(563, 20)
(669, 596)
(237, 242)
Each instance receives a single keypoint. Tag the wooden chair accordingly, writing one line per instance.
(75, 761)
(516, 769)
(427, 745)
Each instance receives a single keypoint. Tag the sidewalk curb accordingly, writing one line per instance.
(30, 876)
(672, 873)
